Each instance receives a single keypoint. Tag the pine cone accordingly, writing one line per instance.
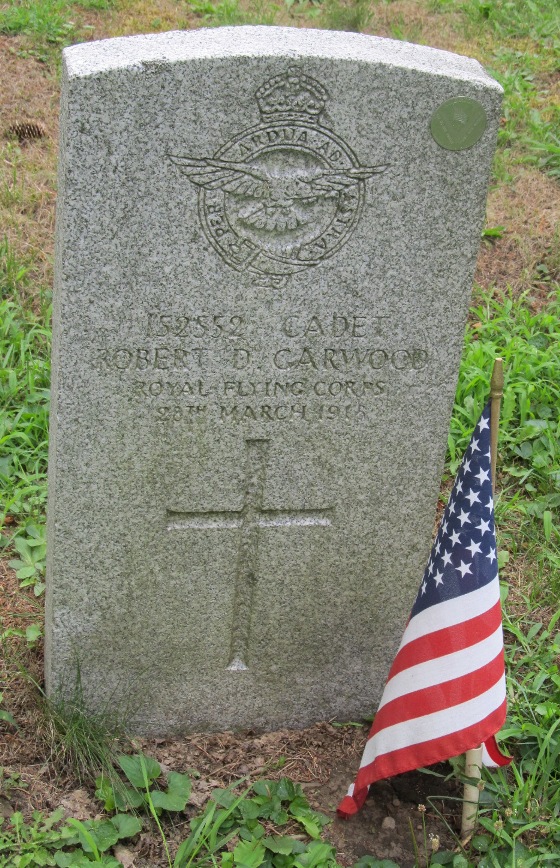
(25, 130)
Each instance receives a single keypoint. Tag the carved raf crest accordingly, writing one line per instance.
(284, 195)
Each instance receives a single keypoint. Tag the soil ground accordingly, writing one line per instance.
(323, 759)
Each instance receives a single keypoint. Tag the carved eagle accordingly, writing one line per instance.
(278, 196)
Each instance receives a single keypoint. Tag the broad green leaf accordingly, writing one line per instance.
(444, 857)
(5, 715)
(481, 843)
(279, 844)
(33, 632)
(179, 785)
(285, 790)
(318, 855)
(25, 572)
(300, 803)
(281, 817)
(312, 821)
(132, 767)
(126, 825)
(534, 630)
(63, 860)
(22, 547)
(168, 801)
(77, 859)
(126, 797)
(249, 854)
(250, 809)
(119, 797)
(104, 791)
(103, 833)
(225, 798)
(40, 857)
(87, 839)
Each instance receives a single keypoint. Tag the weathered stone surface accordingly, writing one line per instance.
(266, 239)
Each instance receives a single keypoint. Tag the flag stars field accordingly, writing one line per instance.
(445, 693)
(473, 497)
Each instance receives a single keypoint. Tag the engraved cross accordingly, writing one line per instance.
(249, 520)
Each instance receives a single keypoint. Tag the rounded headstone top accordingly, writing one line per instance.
(91, 58)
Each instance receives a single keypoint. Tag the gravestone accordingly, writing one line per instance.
(266, 239)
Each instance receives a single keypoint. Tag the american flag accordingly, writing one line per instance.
(446, 690)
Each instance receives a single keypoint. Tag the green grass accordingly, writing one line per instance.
(352, 15)
(48, 23)
(229, 12)
(54, 840)
(47, 20)
(517, 19)
(529, 443)
(521, 805)
(24, 406)
(530, 417)
(530, 124)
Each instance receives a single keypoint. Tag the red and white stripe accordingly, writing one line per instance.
(445, 693)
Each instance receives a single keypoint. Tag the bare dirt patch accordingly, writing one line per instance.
(323, 758)
(529, 211)
(30, 94)
(413, 21)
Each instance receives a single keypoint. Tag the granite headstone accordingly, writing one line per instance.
(266, 239)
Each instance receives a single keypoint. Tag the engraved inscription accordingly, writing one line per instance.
(338, 359)
(285, 195)
(161, 325)
(249, 520)
(301, 368)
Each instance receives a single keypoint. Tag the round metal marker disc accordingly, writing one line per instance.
(458, 123)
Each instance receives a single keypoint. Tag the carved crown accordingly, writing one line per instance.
(291, 95)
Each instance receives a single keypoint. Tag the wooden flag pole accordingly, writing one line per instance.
(496, 392)
(473, 758)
